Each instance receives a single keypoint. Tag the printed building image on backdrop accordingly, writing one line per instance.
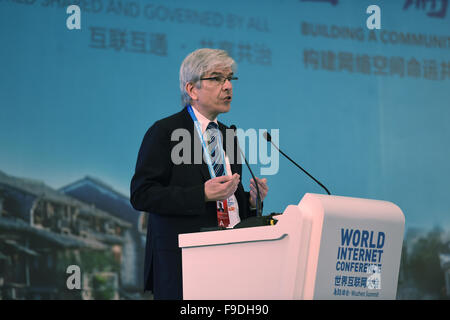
(364, 109)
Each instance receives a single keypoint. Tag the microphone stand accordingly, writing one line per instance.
(258, 196)
(268, 137)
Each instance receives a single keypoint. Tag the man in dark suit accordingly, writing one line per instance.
(184, 196)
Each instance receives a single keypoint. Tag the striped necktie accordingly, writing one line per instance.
(215, 149)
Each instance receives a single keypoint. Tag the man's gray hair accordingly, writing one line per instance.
(199, 63)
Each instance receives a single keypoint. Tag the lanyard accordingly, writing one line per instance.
(205, 149)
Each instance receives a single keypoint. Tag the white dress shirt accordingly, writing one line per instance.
(233, 215)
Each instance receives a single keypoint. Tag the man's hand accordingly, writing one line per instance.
(220, 188)
(263, 189)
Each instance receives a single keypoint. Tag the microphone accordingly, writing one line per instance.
(268, 137)
(258, 197)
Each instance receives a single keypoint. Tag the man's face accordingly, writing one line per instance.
(215, 97)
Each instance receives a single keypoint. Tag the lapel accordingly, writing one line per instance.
(189, 125)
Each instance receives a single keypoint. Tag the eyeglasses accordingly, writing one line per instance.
(220, 79)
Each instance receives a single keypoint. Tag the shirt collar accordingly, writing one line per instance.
(202, 119)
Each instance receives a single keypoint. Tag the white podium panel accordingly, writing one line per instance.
(327, 247)
(355, 247)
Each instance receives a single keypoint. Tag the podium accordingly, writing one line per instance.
(326, 247)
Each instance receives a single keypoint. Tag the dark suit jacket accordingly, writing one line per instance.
(174, 197)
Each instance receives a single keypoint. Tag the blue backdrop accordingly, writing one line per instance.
(364, 111)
